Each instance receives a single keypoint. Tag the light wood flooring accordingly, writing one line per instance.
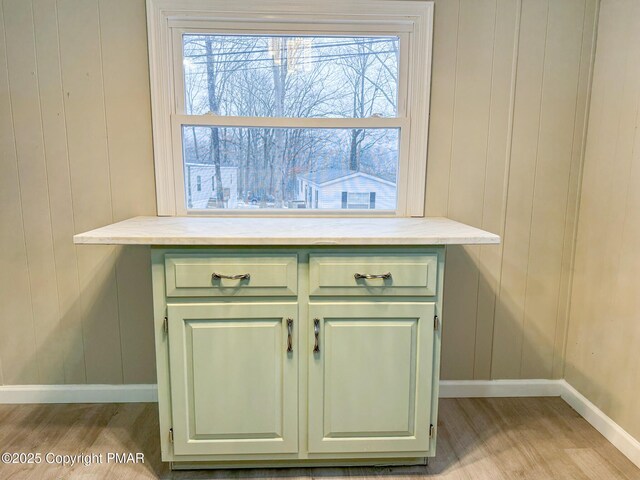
(493, 439)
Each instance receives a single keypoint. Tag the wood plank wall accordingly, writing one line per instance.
(510, 87)
(75, 149)
(509, 96)
(604, 326)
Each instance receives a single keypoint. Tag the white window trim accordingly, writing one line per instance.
(412, 20)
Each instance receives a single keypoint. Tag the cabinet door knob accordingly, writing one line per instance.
(316, 333)
(289, 335)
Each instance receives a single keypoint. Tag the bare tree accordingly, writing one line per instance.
(266, 77)
(363, 69)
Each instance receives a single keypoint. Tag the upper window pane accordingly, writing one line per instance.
(284, 76)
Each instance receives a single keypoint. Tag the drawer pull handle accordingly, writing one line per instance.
(242, 276)
(316, 333)
(289, 335)
(385, 276)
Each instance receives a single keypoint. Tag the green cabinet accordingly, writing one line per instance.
(234, 378)
(288, 356)
(370, 377)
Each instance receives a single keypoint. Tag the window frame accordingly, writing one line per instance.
(410, 20)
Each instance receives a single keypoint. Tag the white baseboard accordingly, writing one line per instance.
(500, 388)
(613, 432)
(78, 393)
(149, 392)
(609, 429)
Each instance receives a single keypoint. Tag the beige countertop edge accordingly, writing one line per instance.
(82, 239)
(216, 231)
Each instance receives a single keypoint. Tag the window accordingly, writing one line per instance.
(296, 103)
(199, 183)
(357, 200)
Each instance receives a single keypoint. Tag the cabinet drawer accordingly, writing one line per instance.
(198, 275)
(344, 274)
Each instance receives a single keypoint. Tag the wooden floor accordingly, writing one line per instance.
(493, 439)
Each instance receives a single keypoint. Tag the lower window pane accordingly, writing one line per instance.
(290, 168)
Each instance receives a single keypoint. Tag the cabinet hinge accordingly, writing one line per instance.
(171, 435)
(431, 431)
(165, 326)
(436, 322)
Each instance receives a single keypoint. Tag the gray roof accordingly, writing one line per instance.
(325, 176)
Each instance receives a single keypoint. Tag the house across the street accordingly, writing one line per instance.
(339, 189)
(200, 185)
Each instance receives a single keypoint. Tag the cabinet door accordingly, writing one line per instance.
(370, 382)
(234, 385)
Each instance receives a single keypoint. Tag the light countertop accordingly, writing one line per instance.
(286, 231)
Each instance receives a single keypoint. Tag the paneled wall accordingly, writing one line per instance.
(510, 83)
(604, 327)
(75, 153)
(509, 96)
